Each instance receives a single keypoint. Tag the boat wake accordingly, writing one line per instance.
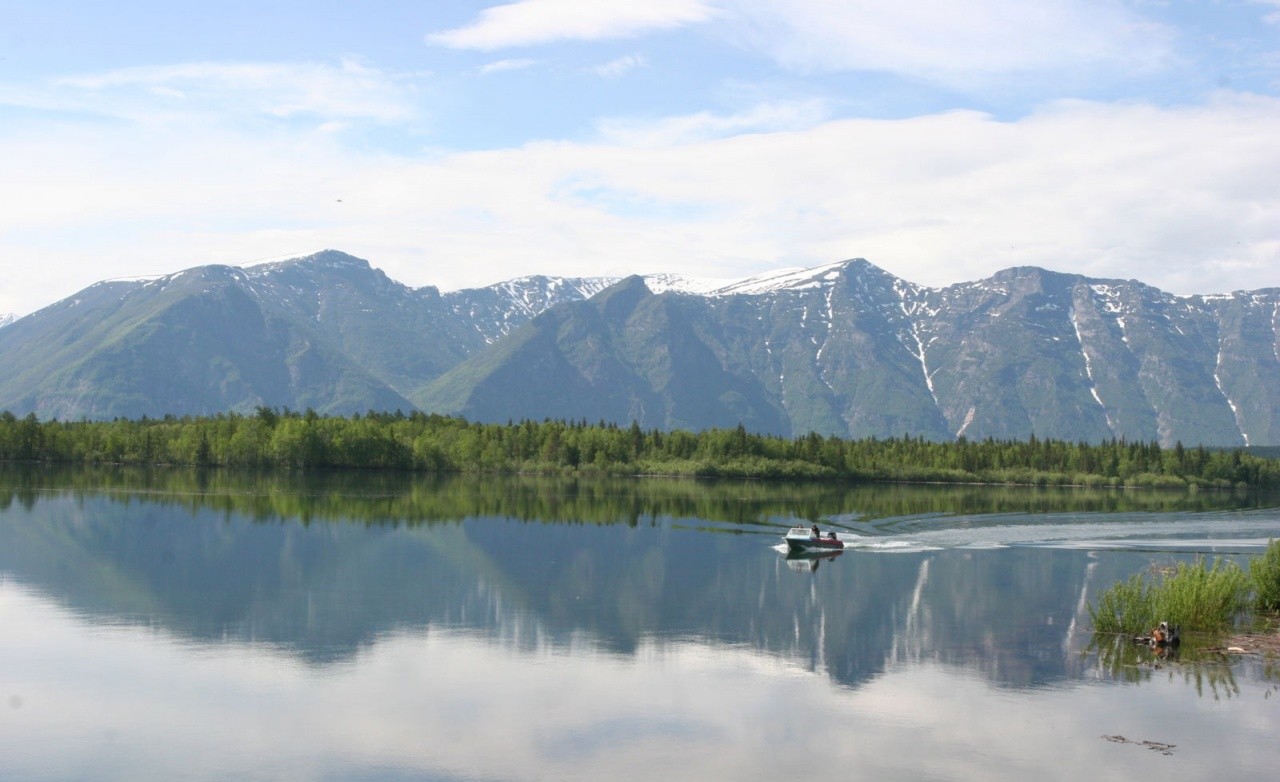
(1230, 532)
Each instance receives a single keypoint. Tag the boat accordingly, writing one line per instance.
(805, 539)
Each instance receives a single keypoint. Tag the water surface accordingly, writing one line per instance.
(176, 625)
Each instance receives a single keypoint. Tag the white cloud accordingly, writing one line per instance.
(511, 64)
(946, 42)
(281, 90)
(764, 117)
(531, 22)
(1183, 198)
(1274, 16)
(939, 41)
(620, 67)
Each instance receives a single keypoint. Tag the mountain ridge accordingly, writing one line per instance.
(843, 348)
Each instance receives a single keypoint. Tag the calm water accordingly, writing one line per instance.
(353, 627)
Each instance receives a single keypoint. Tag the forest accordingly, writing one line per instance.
(434, 443)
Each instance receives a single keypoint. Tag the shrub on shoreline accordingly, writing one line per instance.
(1265, 572)
(1196, 596)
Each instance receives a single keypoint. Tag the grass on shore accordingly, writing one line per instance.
(1197, 596)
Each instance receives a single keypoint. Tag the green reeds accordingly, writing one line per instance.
(1126, 607)
(1265, 572)
(1194, 596)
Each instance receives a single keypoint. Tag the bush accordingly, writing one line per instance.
(1195, 596)
(1153, 481)
(1127, 607)
(1202, 597)
(1265, 573)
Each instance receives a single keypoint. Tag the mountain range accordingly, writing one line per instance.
(844, 349)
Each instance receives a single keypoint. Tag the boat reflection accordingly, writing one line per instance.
(808, 561)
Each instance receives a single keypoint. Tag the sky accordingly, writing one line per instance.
(461, 143)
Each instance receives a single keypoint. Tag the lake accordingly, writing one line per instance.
(184, 625)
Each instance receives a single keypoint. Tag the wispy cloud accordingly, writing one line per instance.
(704, 125)
(531, 22)
(226, 90)
(939, 41)
(620, 67)
(945, 42)
(1274, 16)
(511, 64)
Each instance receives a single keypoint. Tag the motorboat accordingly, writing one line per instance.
(807, 539)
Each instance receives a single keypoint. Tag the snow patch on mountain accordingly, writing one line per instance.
(558, 288)
(143, 278)
(678, 283)
(788, 279)
(793, 279)
(532, 295)
(1088, 367)
(6, 318)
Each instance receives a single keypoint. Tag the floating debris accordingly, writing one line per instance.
(1156, 746)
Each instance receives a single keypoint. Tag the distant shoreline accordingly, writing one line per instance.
(420, 442)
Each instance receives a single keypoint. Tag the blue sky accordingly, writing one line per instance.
(462, 143)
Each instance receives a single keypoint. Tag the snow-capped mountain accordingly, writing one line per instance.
(844, 348)
(497, 309)
(851, 350)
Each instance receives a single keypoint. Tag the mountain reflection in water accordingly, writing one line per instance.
(383, 625)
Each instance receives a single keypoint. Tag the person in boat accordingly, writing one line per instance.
(817, 533)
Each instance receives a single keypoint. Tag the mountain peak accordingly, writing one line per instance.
(622, 295)
(796, 278)
(662, 282)
(1033, 273)
(546, 286)
(332, 260)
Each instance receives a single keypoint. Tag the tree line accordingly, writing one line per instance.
(433, 443)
